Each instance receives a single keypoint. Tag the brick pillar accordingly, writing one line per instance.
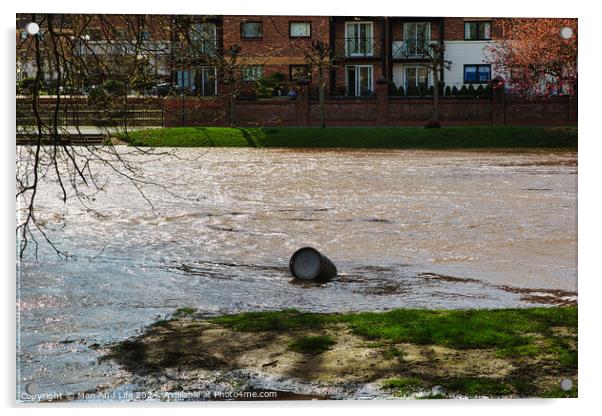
(573, 112)
(302, 103)
(498, 104)
(172, 112)
(382, 102)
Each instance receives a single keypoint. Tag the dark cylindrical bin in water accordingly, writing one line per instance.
(307, 263)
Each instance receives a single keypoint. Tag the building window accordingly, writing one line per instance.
(358, 80)
(299, 29)
(415, 78)
(416, 36)
(252, 73)
(200, 81)
(203, 37)
(299, 72)
(474, 74)
(479, 30)
(145, 36)
(251, 30)
(358, 39)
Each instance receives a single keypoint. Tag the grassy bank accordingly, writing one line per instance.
(356, 137)
(418, 353)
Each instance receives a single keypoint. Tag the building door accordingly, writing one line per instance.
(417, 36)
(415, 77)
(358, 39)
(359, 80)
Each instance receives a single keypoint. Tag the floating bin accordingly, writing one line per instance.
(309, 264)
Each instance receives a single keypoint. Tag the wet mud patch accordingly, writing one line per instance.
(555, 297)
(504, 353)
(446, 278)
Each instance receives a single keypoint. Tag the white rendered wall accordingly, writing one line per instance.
(460, 53)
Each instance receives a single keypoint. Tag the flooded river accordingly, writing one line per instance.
(406, 229)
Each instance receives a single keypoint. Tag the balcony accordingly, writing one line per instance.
(357, 48)
(410, 49)
(120, 47)
(199, 48)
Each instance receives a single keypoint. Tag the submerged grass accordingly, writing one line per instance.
(356, 137)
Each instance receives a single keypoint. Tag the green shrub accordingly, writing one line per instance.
(463, 91)
(26, 85)
(115, 88)
(401, 91)
(455, 91)
(471, 90)
(480, 91)
(269, 86)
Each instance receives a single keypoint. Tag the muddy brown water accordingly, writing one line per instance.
(406, 228)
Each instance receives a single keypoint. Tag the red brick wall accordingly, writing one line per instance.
(275, 40)
(368, 112)
(454, 27)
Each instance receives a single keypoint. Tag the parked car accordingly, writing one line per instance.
(163, 89)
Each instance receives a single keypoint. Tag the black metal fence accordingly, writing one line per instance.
(138, 113)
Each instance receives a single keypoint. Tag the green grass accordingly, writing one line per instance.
(357, 137)
(477, 386)
(462, 329)
(404, 386)
(312, 344)
(510, 330)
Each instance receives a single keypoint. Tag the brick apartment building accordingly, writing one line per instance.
(365, 49)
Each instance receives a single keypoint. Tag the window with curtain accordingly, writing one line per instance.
(300, 30)
(480, 30)
(416, 36)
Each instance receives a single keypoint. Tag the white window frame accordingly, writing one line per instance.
(356, 81)
(417, 67)
(250, 73)
(203, 69)
(415, 37)
(198, 34)
(478, 22)
(369, 38)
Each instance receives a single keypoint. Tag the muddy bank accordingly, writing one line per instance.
(396, 354)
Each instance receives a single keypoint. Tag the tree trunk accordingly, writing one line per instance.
(321, 98)
(436, 96)
(232, 108)
(322, 110)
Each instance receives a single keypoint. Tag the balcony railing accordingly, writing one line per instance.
(198, 48)
(120, 47)
(410, 49)
(357, 47)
